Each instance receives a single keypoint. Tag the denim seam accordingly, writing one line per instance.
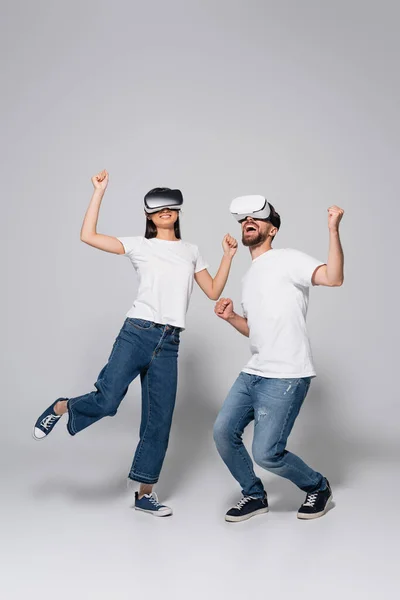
(71, 417)
(298, 470)
(71, 404)
(142, 478)
(140, 447)
(159, 345)
(70, 423)
(289, 411)
(143, 474)
(141, 442)
(246, 383)
(142, 328)
(239, 450)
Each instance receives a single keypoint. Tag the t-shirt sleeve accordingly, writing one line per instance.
(301, 267)
(130, 244)
(200, 264)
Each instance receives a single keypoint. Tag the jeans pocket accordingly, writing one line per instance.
(176, 337)
(141, 323)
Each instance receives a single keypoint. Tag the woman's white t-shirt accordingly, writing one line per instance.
(275, 301)
(166, 272)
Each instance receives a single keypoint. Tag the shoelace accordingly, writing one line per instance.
(154, 500)
(48, 421)
(310, 500)
(242, 502)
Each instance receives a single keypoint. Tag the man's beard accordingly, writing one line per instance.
(254, 241)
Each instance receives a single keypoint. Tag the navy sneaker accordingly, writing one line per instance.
(246, 508)
(46, 422)
(149, 503)
(316, 504)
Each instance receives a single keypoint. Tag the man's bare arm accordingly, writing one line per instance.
(332, 274)
(224, 310)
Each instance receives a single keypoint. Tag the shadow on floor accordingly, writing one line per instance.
(81, 491)
(317, 437)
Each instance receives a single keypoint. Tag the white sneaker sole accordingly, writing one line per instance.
(231, 519)
(307, 517)
(156, 513)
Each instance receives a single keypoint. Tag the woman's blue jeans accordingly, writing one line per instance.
(150, 350)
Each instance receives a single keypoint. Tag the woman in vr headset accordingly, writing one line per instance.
(148, 342)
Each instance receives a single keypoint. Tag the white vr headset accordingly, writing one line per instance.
(250, 206)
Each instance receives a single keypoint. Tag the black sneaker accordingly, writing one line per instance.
(316, 503)
(46, 422)
(246, 508)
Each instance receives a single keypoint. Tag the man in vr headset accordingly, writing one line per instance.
(273, 385)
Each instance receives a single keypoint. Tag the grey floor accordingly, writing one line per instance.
(296, 100)
(69, 529)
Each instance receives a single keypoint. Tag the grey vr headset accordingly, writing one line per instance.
(250, 206)
(161, 198)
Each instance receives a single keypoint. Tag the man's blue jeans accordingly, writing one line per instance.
(150, 350)
(273, 404)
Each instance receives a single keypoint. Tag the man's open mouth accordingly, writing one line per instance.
(249, 227)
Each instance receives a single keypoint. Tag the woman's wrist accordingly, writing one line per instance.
(98, 192)
(334, 232)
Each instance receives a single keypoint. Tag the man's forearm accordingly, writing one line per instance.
(239, 323)
(335, 264)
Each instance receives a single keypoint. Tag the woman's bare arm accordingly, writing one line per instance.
(89, 233)
(213, 287)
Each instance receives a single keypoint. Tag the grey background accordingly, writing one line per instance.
(295, 100)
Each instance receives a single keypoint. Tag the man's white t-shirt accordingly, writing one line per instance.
(166, 272)
(275, 302)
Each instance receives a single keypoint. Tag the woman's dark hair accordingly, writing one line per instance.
(151, 229)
